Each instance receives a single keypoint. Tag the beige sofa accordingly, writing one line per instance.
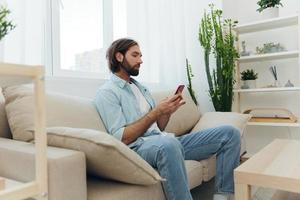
(77, 163)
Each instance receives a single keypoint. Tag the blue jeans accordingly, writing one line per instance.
(167, 155)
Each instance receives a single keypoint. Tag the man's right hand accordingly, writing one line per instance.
(169, 105)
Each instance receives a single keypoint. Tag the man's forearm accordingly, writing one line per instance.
(138, 128)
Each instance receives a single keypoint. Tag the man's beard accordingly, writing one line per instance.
(131, 70)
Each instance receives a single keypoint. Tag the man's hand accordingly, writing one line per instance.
(169, 105)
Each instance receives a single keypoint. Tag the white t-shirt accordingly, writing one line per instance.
(144, 105)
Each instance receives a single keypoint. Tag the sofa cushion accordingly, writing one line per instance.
(106, 156)
(64, 180)
(185, 118)
(213, 119)
(111, 190)
(4, 128)
(61, 110)
(209, 167)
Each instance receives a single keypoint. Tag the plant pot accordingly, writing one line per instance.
(270, 13)
(249, 84)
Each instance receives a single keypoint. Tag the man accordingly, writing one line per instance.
(129, 113)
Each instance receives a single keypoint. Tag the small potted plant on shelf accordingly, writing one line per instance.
(269, 8)
(249, 79)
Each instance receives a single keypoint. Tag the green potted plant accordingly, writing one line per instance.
(269, 8)
(5, 24)
(217, 37)
(249, 79)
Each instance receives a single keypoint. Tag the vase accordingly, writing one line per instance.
(249, 84)
(276, 83)
(270, 13)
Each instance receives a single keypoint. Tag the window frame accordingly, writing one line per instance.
(52, 42)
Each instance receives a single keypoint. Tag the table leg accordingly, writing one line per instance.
(242, 192)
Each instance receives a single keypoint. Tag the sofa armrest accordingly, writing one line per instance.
(213, 119)
(66, 168)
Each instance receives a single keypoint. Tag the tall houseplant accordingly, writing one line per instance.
(216, 37)
(5, 25)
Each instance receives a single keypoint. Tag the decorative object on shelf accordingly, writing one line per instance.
(270, 47)
(244, 52)
(273, 115)
(275, 75)
(216, 36)
(289, 84)
(5, 24)
(249, 79)
(190, 76)
(269, 8)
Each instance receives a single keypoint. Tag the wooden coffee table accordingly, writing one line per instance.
(275, 166)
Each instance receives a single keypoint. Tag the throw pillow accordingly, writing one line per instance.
(61, 110)
(185, 118)
(106, 156)
(4, 128)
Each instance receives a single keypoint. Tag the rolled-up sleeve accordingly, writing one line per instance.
(110, 111)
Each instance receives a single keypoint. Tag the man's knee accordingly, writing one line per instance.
(232, 133)
(171, 145)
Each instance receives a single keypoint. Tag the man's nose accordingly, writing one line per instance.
(140, 61)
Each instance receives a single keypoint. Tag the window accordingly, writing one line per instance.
(81, 31)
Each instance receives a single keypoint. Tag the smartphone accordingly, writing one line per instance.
(179, 89)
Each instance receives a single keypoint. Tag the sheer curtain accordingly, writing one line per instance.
(159, 27)
(24, 44)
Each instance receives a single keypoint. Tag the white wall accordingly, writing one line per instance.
(288, 69)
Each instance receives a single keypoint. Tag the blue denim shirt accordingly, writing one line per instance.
(118, 107)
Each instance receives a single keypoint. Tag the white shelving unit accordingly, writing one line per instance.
(38, 188)
(270, 56)
(259, 26)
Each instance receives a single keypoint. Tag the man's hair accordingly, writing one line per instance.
(121, 45)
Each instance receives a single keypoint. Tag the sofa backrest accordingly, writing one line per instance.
(77, 112)
(185, 118)
(4, 128)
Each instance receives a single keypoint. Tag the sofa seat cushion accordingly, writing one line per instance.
(111, 190)
(61, 110)
(194, 171)
(105, 156)
(209, 168)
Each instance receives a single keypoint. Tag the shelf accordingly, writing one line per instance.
(269, 56)
(267, 24)
(273, 124)
(281, 89)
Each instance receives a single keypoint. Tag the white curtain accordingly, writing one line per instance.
(24, 44)
(159, 27)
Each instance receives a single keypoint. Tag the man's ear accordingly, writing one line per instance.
(119, 57)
